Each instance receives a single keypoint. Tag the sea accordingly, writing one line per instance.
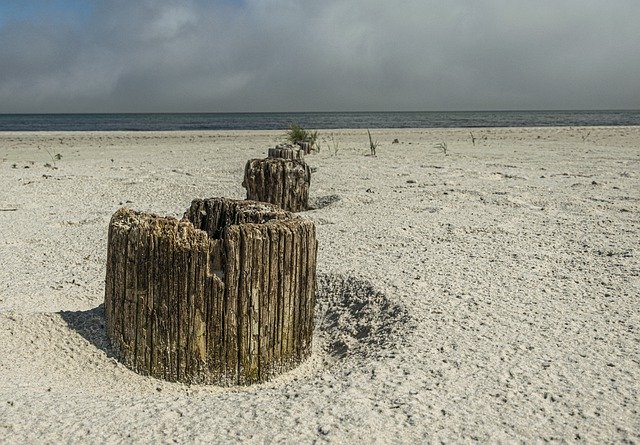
(313, 120)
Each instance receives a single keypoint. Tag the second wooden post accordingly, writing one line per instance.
(282, 179)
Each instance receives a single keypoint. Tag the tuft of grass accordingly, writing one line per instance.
(298, 134)
(442, 146)
(334, 145)
(54, 158)
(372, 145)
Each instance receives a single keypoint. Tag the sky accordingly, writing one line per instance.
(90, 56)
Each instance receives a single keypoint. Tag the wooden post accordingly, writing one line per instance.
(283, 182)
(225, 296)
(287, 151)
(304, 146)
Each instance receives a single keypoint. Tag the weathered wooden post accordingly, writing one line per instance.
(287, 151)
(225, 296)
(304, 146)
(282, 179)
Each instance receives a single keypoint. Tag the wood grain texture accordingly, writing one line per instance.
(287, 151)
(225, 296)
(283, 182)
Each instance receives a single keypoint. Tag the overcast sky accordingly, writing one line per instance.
(318, 55)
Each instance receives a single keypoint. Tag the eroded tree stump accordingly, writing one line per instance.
(225, 296)
(283, 182)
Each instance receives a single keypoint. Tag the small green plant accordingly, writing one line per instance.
(372, 145)
(298, 134)
(54, 158)
(334, 145)
(442, 146)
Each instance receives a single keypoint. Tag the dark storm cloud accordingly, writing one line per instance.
(262, 55)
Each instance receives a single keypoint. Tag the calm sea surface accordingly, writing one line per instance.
(279, 121)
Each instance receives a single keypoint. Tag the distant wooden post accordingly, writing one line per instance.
(287, 151)
(225, 296)
(282, 179)
(304, 146)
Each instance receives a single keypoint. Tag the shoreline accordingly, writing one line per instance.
(319, 129)
(321, 120)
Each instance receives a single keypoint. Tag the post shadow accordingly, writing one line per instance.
(90, 324)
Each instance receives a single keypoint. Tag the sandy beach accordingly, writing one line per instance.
(491, 294)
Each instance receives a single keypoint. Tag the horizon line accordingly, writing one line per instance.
(515, 110)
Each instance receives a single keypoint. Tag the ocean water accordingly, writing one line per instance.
(326, 120)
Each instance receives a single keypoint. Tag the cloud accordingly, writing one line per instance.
(286, 55)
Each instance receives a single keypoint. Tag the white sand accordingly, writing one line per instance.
(492, 294)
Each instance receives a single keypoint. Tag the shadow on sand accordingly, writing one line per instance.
(352, 317)
(357, 320)
(90, 325)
